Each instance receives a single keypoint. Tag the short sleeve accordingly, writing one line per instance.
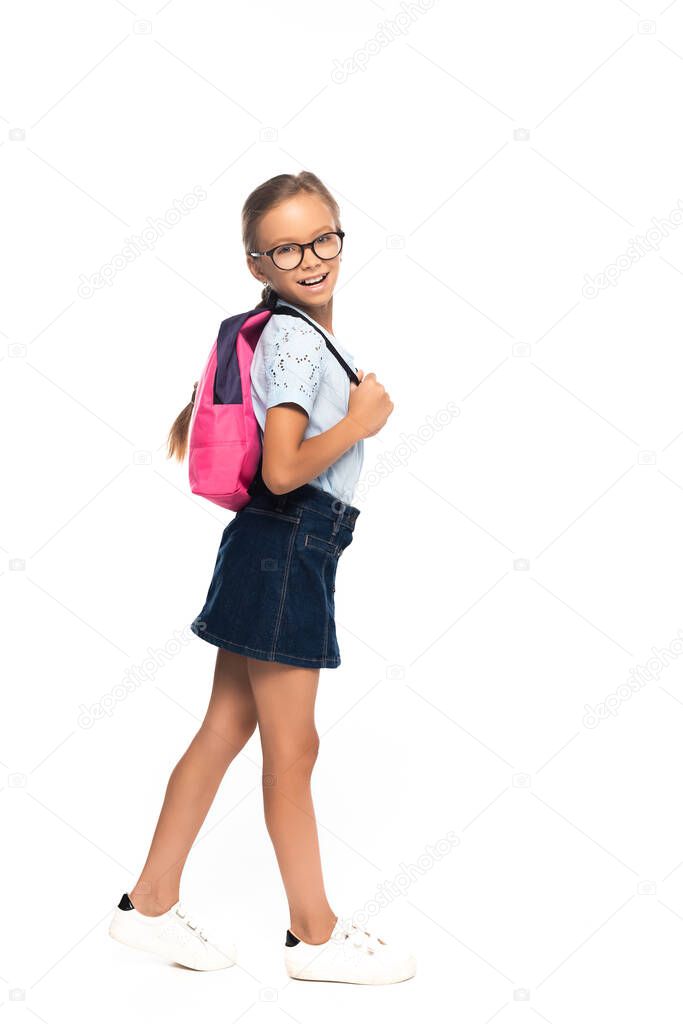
(293, 354)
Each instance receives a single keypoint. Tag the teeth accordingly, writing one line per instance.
(312, 280)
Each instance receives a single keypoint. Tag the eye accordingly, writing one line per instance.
(323, 238)
(284, 249)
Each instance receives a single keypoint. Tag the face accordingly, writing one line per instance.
(300, 219)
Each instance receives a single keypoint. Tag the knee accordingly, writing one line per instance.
(310, 753)
(228, 738)
(246, 730)
(294, 758)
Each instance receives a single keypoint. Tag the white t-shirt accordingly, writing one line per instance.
(292, 363)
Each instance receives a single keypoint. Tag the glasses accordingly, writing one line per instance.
(289, 255)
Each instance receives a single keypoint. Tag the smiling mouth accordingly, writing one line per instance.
(308, 281)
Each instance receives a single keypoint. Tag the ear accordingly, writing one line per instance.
(255, 269)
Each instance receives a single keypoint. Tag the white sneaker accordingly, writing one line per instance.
(351, 954)
(174, 936)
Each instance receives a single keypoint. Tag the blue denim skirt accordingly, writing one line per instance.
(271, 596)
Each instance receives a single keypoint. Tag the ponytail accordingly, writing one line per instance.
(268, 298)
(178, 434)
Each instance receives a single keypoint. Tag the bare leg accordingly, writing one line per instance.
(229, 722)
(285, 699)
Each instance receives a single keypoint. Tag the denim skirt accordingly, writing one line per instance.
(271, 595)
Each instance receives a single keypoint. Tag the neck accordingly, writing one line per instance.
(322, 314)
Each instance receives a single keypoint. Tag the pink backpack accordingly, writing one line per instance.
(224, 438)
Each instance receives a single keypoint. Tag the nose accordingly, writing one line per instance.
(309, 258)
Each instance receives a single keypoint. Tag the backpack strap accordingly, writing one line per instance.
(295, 312)
(227, 385)
(227, 388)
(257, 486)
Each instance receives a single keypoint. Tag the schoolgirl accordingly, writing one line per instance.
(269, 609)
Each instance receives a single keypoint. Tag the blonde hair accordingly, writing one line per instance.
(264, 198)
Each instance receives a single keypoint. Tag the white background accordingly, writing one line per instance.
(513, 563)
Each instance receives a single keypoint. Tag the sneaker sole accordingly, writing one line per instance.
(303, 975)
(126, 940)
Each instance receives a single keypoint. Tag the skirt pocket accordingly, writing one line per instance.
(312, 541)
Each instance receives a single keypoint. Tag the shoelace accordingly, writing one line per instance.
(360, 938)
(192, 925)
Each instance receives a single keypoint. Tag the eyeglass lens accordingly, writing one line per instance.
(288, 256)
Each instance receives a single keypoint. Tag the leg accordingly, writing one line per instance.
(229, 722)
(285, 698)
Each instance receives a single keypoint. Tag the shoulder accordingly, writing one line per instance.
(284, 325)
(293, 358)
(289, 337)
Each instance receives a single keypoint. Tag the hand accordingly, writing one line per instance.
(369, 404)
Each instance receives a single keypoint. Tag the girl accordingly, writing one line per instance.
(270, 606)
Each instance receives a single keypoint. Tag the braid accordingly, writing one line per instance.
(268, 298)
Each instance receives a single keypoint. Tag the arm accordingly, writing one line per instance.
(288, 461)
(294, 356)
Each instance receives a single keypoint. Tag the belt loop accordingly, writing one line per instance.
(339, 507)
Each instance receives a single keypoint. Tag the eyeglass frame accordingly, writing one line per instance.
(304, 247)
